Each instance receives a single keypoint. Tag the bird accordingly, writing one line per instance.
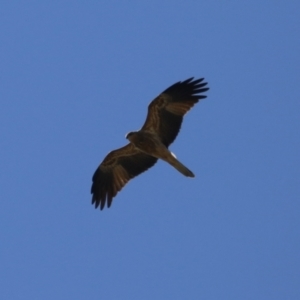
(150, 143)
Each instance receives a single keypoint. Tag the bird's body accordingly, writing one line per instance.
(146, 146)
(150, 144)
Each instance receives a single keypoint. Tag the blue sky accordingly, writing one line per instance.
(76, 76)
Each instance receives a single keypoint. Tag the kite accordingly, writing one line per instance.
(150, 143)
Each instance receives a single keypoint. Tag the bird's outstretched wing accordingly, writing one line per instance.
(117, 168)
(165, 112)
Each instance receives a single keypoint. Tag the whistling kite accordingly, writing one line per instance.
(165, 115)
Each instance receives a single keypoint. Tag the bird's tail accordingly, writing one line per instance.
(180, 167)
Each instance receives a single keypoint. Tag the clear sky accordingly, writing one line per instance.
(76, 76)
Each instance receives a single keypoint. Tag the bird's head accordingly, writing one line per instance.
(130, 135)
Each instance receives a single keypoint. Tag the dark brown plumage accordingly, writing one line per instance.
(163, 122)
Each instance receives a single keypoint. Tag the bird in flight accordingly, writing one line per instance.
(150, 143)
